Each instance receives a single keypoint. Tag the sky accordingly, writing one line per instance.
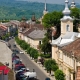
(53, 1)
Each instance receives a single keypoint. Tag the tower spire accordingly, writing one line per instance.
(73, 4)
(66, 21)
(45, 6)
(66, 12)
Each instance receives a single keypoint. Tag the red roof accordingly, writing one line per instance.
(5, 69)
(3, 27)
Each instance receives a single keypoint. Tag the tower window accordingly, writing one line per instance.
(67, 28)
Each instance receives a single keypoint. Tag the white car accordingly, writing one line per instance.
(30, 74)
(23, 69)
(21, 52)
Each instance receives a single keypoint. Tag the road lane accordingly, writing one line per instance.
(29, 63)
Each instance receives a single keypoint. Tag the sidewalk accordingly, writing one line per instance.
(38, 65)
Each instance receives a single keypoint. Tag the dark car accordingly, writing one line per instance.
(47, 78)
(19, 66)
(15, 58)
(14, 45)
(17, 61)
(19, 75)
(15, 51)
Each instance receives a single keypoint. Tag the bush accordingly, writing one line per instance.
(59, 75)
(45, 55)
(55, 67)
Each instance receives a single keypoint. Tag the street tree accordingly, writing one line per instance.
(49, 63)
(59, 75)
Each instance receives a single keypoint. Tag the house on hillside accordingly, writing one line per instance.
(12, 26)
(3, 30)
(32, 28)
(5, 54)
(23, 26)
(64, 47)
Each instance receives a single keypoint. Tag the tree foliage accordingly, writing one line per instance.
(16, 9)
(49, 64)
(45, 46)
(75, 13)
(59, 75)
(52, 19)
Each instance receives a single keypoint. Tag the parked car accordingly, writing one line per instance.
(14, 58)
(23, 69)
(30, 74)
(21, 52)
(13, 54)
(20, 75)
(19, 66)
(14, 45)
(17, 61)
(47, 78)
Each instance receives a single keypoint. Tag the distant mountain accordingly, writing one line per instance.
(14, 9)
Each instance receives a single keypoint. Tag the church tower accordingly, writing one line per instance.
(73, 4)
(45, 9)
(66, 21)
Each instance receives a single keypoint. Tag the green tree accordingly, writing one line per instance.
(48, 64)
(52, 19)
(54, 67)
(75, 13)
(33, 53)
(45, 46)
(24, 45)
(59, 75)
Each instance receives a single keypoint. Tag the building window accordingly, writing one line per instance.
(67, 28)
(39, 42)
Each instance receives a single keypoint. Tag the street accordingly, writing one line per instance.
(28, 63)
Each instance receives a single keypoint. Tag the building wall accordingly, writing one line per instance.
(33, 43)
(19, 35)
(5, 54)
(63, 27)
(26, 39)
(54, 53)
(5, 77)
(67, 64)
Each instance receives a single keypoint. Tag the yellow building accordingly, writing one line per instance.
(66, 58)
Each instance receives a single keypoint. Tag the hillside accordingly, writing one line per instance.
(12, 9)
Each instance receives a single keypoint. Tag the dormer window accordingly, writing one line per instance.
(67, 28)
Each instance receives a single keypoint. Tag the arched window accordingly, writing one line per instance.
(67, 28)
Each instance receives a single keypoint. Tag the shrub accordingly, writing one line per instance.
(59, 75)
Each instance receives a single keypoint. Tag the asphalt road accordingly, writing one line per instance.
(28, 63)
